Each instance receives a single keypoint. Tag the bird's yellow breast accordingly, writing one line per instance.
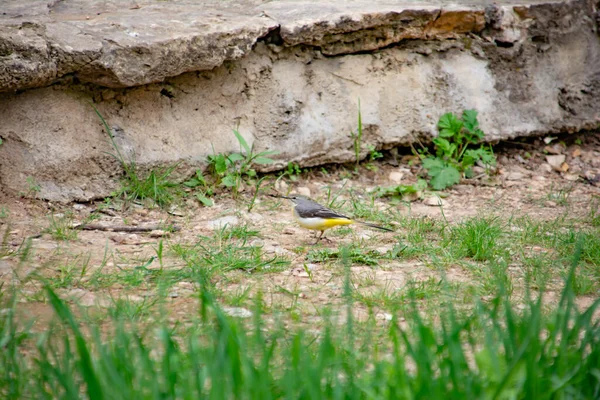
(320, 223)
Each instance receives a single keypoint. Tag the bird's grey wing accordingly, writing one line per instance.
(321, 212)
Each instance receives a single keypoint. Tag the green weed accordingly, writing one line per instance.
(355, 254)
(357, 137)
(476, 238)
(203, 191)
(61, 227)
(402, 192)
(231, 170)
(156, 186)
(454, 154)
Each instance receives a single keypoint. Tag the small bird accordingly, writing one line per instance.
(312, 215)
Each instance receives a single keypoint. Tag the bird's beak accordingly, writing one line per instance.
(280, 196)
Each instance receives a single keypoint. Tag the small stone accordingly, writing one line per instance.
(219, 223)
(521, 159)
(515, 176)
(302, 296)
(571, 177)
(556, 162)
(545, 168)
(385, 316)
(304, 191)
(237, 312)
(173, 295)
(477, 170)
(289, 231)
(79, 207)
(557, 148)
(311, 267)
(281, 186)
(576, 152)
(158, 233)
(434, 201)
(396, 176)
(550, 204)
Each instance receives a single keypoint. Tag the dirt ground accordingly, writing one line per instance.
(525, 185)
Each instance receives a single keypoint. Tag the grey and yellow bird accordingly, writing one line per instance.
(312, 215)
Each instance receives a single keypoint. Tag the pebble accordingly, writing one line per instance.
(515, 176)
(396, 176)
(237, 312)
(303, 190)
(219, 223)
(281, 186)
(556, 162)
(571, 177)
(289, 231)
(434, 201)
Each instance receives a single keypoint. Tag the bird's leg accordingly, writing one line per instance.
(319, 237)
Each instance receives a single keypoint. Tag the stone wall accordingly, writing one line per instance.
(176, 77)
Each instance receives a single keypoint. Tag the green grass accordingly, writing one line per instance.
(61, 227)
(489, 352)
(356, 253)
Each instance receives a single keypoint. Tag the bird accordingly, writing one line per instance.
(312, 215)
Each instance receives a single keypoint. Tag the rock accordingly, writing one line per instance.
(289, 231)
(159, 233)
(545, 168)
(515, 176)
(220, 223)
(571, 177)
(556, 162)
(303, 191)
(281, 186)
(434, 201)
(237, 312)
(556, 148)
(385, 316)
(576, 152)
(169, 71)
(396, 177)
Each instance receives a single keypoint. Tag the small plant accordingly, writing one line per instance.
(61, 227)
(402, 192)
(230, 170)
(560, 196)
(373, 155)
(453, 156)
(357, 137)
(293, 171)
(33, 188)
(156, 186)
(203, 190)
(4, 212)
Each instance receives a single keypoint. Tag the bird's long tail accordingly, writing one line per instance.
(374, 226)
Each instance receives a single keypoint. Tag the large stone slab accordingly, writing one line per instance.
(177, 76)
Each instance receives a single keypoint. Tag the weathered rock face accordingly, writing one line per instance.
(177, 77)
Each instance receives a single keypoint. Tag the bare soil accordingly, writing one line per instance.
(523, 185)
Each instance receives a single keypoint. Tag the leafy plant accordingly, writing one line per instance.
(230, 170)
(204, 190)
(454, 154)
(293, 170)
